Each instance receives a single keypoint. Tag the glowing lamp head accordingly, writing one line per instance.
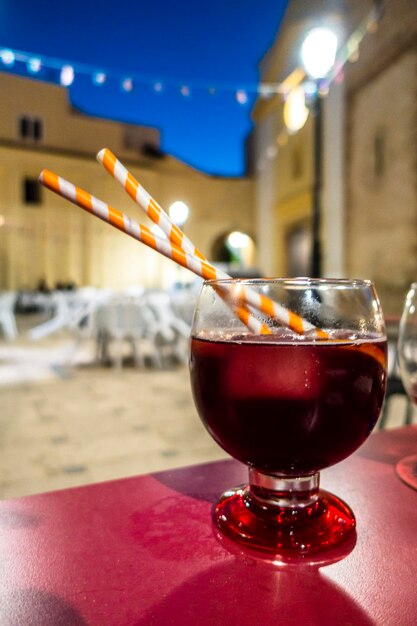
(318, 52)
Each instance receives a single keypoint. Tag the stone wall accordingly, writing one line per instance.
(381, 207)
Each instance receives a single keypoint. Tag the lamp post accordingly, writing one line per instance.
(318, 53)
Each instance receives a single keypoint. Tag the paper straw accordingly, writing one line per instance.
(122, 222)
(246, 295)
(146, 202)
(160, 217)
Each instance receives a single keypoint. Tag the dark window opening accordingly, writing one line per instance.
(30, 128)
(31, 191)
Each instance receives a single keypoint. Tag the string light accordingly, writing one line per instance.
(34, 66)
(7, 57)
(99, 78)
(241, 96)
(64, 73)
(127, 84)
(67, 76)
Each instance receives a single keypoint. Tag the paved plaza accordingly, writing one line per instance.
(65, 426)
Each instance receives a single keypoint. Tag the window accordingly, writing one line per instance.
(30, 128)
(31, 191)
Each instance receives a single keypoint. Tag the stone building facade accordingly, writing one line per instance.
(369, 194)
(381, 159)
(43, 237)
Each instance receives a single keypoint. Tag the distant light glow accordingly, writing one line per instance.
(318, 52)
(267, 91)
(185, 91)
(99, 78)
(242, 96)
(8, 58)
(34, 66)
(67, 76)
(178, 212)
(310, 88)
(295, 110)
(271, 152)
(158, 87)
(127, 84)
(238, 240)
(2, 220)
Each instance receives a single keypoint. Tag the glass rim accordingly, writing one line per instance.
(299, 281)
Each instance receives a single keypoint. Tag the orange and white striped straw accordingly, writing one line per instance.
(170, 250)
(245, 295)
(160, 217)
(139, 195)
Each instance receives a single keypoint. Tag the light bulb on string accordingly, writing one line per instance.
(99, 78)
(67, 76)
(241, 96)
(8, 57)
(34, 66)
(127, 84)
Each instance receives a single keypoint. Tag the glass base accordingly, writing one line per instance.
(284, 516)
(406, 469)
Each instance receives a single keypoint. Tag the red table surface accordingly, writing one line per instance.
(142, 551)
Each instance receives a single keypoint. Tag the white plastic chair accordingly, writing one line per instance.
(173, 332)
(7, 315)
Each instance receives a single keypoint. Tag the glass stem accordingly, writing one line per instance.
(268, 491)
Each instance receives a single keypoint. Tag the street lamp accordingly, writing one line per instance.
(318, 54)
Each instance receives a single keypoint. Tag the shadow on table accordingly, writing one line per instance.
(23, 607)
(251, 590)
(204, 482)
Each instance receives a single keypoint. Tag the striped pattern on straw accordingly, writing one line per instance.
(244, 295)
(146, 202)
(121, 221)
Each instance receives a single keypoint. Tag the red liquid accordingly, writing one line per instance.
(284, 407)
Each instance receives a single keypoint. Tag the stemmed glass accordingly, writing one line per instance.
(288, 404)
(407, 358)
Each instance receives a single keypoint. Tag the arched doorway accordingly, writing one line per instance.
(236, 249)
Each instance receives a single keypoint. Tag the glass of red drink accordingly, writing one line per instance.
(288, 404)
(407, 359)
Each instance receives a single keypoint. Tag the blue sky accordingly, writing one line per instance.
(210, 47)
